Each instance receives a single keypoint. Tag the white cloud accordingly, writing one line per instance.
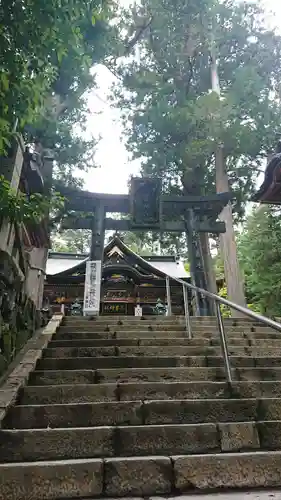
(115, 165)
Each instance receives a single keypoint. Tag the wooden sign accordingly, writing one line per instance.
(114, 308)
(145, 201)
(138, 310)
(92, 288)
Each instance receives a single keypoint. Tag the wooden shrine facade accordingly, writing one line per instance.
(127, 280)
(270, 190)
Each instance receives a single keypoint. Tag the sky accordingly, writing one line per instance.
(113, 161)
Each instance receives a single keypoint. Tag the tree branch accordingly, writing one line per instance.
(137, 36)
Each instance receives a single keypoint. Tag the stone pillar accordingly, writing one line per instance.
(36, 275)
(11, 168)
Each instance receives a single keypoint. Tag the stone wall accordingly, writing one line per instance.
(21, 269)
(19, 318)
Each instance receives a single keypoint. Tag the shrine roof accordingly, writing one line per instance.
(174, 268)
(60, 263)
(270, 190)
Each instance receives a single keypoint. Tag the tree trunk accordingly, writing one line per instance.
(234, 283)
(191, 187)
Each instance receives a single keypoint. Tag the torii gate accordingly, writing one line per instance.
(149, 210)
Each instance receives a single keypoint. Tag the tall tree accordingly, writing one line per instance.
(259, 248)
(47, 52)
(72, 241)
(173, 122)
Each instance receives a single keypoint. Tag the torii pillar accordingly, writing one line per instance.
(93, 274)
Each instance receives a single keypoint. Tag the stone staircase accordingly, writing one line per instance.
(122, 407)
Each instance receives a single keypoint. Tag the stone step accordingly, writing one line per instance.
(145, 334)
(124, 407)
(199, 341)
(108, 342)
(156, 321)
(248, 470)
(128, 334)
(80, 352)
(152, 361)
(150, 412)
(260, 335)
(131, 328)
(124, 362)
(87, 393)
(101, 320)
(167, 374)
(124, 441)
(51, 480)
(141, 342)
(238, 334)
(139, 476)
(259, 373)
(50, 377)
(73, 352)
(173, 327)
(151, 317)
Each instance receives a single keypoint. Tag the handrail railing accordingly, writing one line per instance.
(218, 301)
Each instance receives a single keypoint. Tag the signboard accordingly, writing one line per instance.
(114, 308)
(145, 195)
(138, 310)
(92, 288)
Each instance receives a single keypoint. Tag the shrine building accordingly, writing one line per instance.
(127, 280)
(269, 193)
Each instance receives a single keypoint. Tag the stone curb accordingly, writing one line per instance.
(19, 375)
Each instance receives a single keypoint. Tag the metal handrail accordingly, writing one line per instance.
(218, 301)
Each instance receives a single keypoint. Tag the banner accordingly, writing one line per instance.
(92, 288)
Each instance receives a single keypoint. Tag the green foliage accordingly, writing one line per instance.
(17, 207)
(71, 240)
(187, 267)
(151, 243)
(139, 242)
(47, 53)
(226, 312)
(259, 248)
(218, 266)
(172, 120)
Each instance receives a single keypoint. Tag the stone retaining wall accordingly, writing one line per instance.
(19, 375)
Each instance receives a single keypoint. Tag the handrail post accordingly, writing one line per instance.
(223, 340)
(168, 295)
(186, 312)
